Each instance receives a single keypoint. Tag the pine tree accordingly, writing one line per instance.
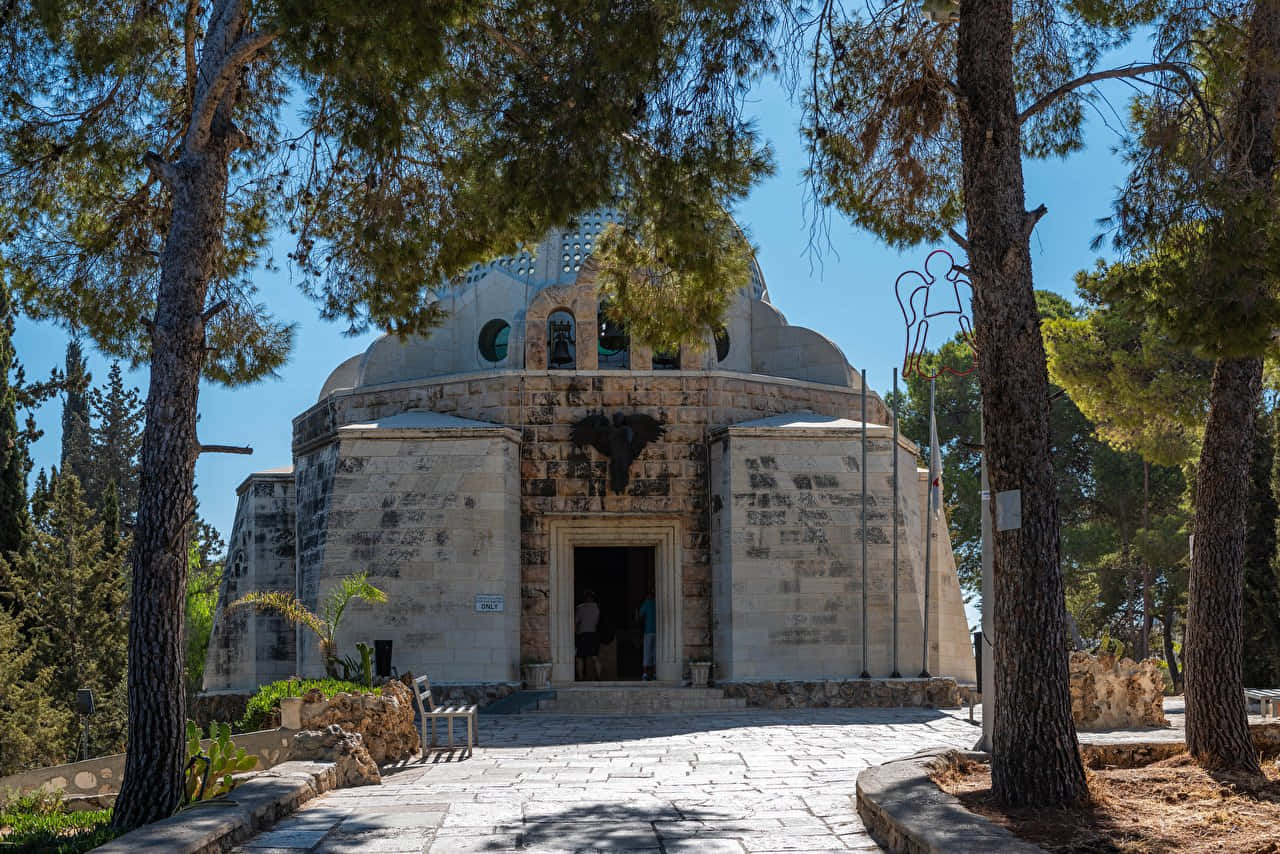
(1261, 561)
(72, 595)
(116, 441)
(425, 144)
(34, 727)
(75, 418)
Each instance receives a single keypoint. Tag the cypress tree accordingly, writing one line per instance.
(13, 458)
(110, 514)
(75, 418)
(116, 439)
(72, 594)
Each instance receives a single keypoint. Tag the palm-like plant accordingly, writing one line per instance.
(325, 624)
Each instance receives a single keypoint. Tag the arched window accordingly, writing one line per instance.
(666, 361)
(614, 345)
(561, 350)
(494, 336)
(722, 344)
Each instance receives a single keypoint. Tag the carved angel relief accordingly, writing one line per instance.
(621, 440)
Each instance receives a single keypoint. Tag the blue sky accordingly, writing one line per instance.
(846, 293)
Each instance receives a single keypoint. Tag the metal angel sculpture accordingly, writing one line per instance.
(923, 297)
(621, 440)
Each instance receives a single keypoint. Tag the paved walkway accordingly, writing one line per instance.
(749, 781)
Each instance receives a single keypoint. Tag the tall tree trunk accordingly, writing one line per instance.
(1170, 658)
(1035, 757)
(1217, 723)
(1144, 639)
(152, 786)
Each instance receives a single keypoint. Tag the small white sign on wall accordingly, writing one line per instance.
(490, 603)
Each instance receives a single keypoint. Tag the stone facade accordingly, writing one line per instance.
(248, 649)
(938, 693)
(463, 495)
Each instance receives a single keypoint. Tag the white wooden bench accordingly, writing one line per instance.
(429, 711)
(1267, 699)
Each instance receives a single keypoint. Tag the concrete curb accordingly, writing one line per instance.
(217, 826)
(905, 811)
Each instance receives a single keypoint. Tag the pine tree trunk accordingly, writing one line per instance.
(1144, 639)
(1217, 723)
(1035, 757)
(1170, 657)
(152, 786)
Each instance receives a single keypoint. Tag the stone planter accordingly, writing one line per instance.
(699, 671)
(537, 677)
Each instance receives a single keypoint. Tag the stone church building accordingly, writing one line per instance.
(455, 471)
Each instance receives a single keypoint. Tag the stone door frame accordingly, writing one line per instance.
(663, 535)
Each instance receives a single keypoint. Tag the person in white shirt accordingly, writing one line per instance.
(586, 620)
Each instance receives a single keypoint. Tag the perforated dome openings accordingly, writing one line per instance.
(559, 257)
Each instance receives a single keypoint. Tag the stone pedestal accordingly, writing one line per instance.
(699, 671)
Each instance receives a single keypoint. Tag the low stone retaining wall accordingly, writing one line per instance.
(102, 775)
(1135, 754)
(478, 695)
(222, 706)
(217, 826)
(939, 692)
(906, 812)
(1116, 693)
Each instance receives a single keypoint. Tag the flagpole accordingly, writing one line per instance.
(928, 529)
(866, 674)
(894, 521)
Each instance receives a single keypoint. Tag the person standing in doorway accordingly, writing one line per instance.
(647, 614)
(586, 620)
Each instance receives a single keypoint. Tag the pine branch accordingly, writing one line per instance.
(1136, 70)
(225, 449)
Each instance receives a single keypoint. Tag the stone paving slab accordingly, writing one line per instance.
(726, 783)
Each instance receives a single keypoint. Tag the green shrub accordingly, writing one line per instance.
(267, 698)
(38, 822)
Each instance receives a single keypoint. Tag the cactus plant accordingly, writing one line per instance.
(209, 774)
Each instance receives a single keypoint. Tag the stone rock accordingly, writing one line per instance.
(384, 720)
(353, 766)
(1112, 693)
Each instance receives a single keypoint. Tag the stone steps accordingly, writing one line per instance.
(647, 699)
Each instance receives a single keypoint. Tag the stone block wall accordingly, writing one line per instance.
(247, 648)
(432, 514)
(559, 480)
(787, 556)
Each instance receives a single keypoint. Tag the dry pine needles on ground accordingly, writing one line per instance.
(1168, 806)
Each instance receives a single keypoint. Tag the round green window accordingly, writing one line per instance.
(493, 340)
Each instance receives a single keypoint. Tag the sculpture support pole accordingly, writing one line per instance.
(988, 636)
(866, 674)
(928, 532)
(894, 521)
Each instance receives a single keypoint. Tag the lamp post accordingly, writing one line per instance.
(85, 708)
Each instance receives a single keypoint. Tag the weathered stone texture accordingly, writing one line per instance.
(353, 765)
(432, 515)
(935, 693)
(1110, 693)
(787, 513)
(385, 721)
(247, 648)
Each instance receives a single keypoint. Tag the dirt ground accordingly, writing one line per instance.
(1168, 806)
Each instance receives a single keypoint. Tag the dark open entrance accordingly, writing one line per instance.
(621, 578)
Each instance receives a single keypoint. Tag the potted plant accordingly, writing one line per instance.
(699, 671)
(537, 673)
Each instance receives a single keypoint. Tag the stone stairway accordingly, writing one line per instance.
(637, 698)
